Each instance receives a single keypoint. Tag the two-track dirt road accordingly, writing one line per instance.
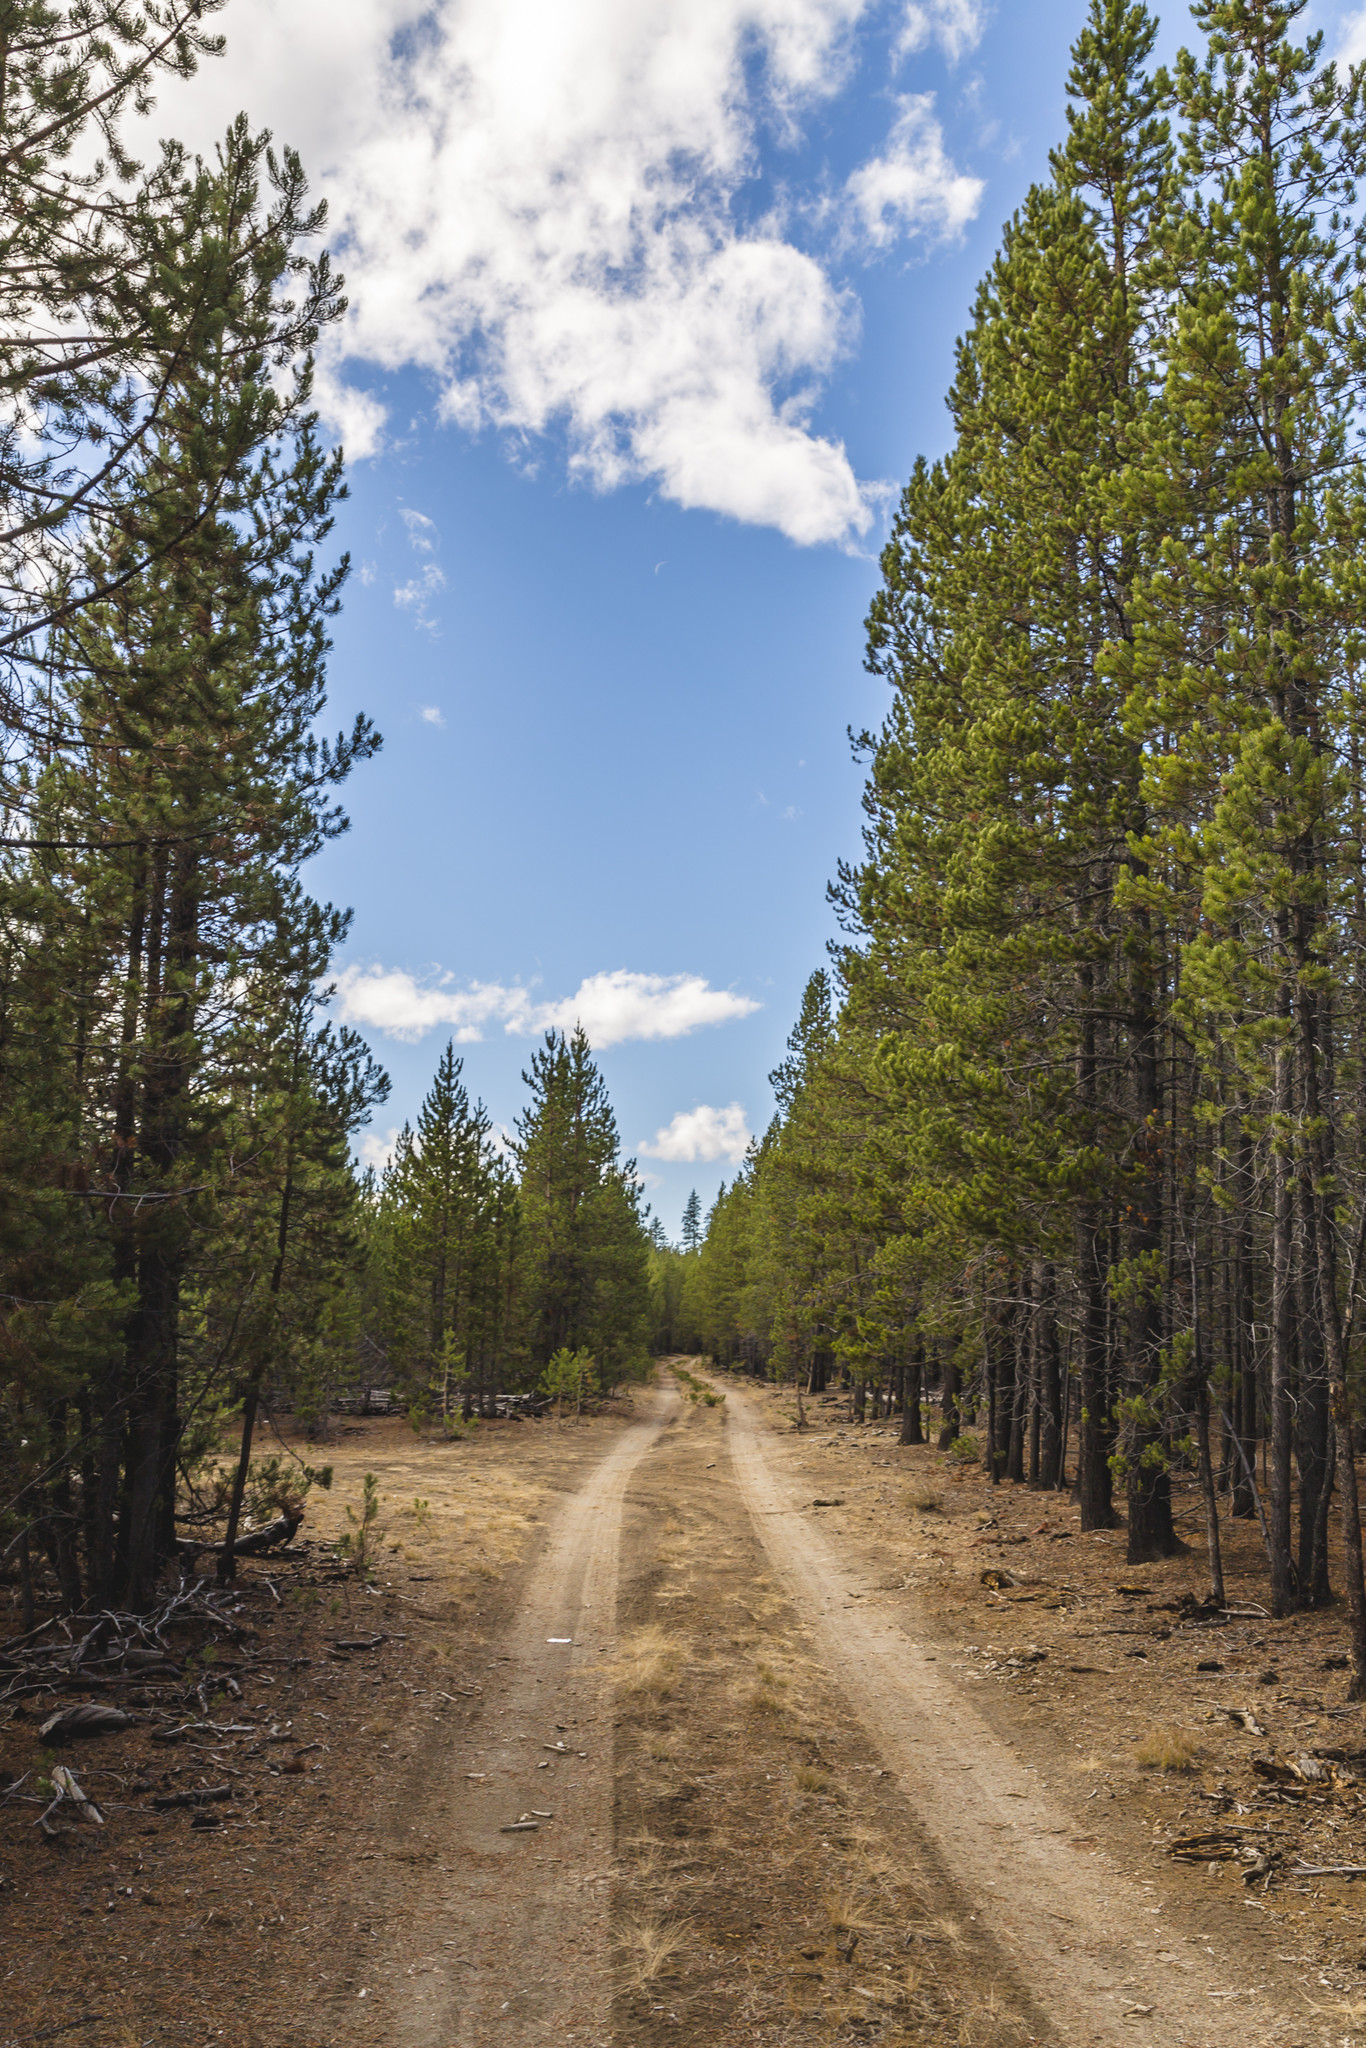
(515, 1937)
(509, 1939)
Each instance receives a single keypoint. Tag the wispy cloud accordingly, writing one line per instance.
(701, 1134)
(611, 1007)
(422, 531)
(911, 188)
(539, 205)
(956, 25)
(417, 593)
(431, 714)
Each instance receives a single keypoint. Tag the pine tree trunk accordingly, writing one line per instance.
(1152, 1533)
(1017, 1350)
(1095, 1433)
(950, 1386)
(1050, 1402)
(1244, 1325)
(1283, 1590)
(1351, 1537)
(1312, 1418)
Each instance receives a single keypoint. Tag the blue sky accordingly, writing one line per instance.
(654, 305)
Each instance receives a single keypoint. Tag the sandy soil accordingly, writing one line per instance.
(842, 1746)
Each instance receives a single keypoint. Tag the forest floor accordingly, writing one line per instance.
(674, 1725)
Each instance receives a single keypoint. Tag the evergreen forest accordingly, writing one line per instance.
(622, 1684)
(1071, 1129)
(186, 1245)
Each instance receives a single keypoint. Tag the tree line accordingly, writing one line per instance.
(183, 1236)
(1075, 1123)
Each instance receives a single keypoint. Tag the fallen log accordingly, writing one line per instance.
(281, 1530)
(88, 1720)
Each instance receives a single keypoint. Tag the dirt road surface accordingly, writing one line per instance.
(517, 1937)
(626, 1741)
(1078, 1931)
(510, 1940)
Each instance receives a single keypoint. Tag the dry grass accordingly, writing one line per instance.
(928, 1503)
(1343, 2012)
(648, 1664)
(1166, 1749)
(807, 1779)
(847, 1913)
(951, 1931)
(982, 2026)
(648, 1946)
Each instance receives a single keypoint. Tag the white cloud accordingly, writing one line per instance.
(539, 204)
(612, 1007)
(1352, 43)
(912, 187)
(422, 533)
(431, 715)
(376, 1148)
(956, 25)
(355, 416)
(702, 1133)
(617, 1006)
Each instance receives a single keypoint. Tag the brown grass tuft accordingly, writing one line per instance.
(1166, 1749)
(807, 1779)
(648, 1946)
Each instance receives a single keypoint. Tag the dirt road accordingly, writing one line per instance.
(1094, 1948)
(510, 1940)
(757, 1792)
(625, 1740)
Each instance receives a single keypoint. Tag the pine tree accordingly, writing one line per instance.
(179, 788)
(442, 1187)
(586, 1273)
(1244, 638)
(692, 1223)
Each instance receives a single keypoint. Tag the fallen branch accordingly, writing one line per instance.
(198, 1795)
(86, 2019)
(204, 1728)
(67, 1789)
(1245, 1717)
